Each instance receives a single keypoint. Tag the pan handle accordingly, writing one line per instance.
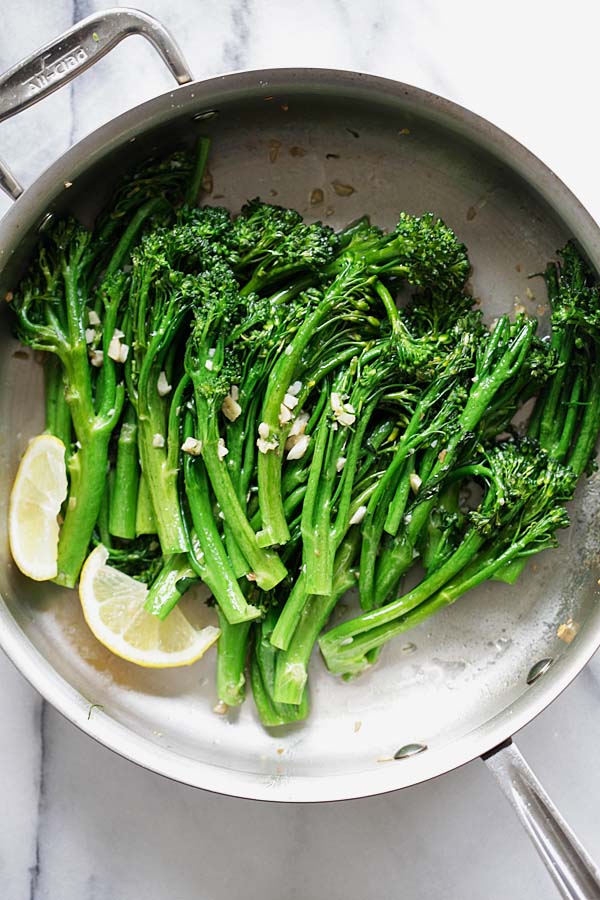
(570, 866)
(73, 52)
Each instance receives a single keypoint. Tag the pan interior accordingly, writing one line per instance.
(333, 159)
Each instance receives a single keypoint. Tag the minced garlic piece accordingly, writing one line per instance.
(291, 401)
(415, 481)
(285, 414)
(114, 348)
(299, 448)
(231, 409)
(358, 515)
(162, 385)
(192, 446)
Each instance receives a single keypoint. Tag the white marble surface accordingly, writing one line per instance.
(78, 823)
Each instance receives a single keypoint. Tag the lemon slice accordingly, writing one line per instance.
(35, 501)
(113, 607)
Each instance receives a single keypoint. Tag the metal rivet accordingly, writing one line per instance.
(539, 668)
(45, 221)
(207, 114)
(409, 750)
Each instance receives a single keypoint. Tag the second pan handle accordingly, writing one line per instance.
(573, 871)
(72, 53)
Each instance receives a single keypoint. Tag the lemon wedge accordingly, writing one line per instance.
(113, 607)
(35, 501)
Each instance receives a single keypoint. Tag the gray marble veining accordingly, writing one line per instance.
(78, 823)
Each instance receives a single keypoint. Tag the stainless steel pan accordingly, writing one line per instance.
(462, 684)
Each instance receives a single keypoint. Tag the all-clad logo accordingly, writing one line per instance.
(55, 70)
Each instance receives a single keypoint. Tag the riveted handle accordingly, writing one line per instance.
(570, 866)
(72, 53)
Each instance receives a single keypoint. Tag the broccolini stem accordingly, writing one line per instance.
(58, 416)
(128, 237)
(339, 642)
(87, 470)
(193, 190)
(482, 568)
(265, 564)
(262, 675)
(169, 585)
(562, 442)
(274, 526)
(223, 582)
(232, 650)
(105, 536)
(397, 507)
(553, 399)
(145, 522)
(124, 494)
(289, 616)
(316, 543)
(291, 672)
(585, 442)
(160, 473)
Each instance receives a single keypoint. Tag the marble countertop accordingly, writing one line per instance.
(78, 822)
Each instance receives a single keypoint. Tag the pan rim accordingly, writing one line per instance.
(118, 737)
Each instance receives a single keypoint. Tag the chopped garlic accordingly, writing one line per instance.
(221, 708)
(285, 414)
(93, 317)
(118, 333)
(162, 385)
(250, 576)
(90, 335)
(230, 408)
(192, 446)
(222, 450)
(295, 388)
(567, 631)
(114, 349)
(97, 358)
(343, 413)
(415, 481)
(264, 446)
(358, 516)
(208, 365)
(346, 419)
(300, 447)
(340, 463)
(212, 352)
(124, 353)
(263, 430)
(290, 401)
(158, 441)
(300, 423)
(235, 392)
